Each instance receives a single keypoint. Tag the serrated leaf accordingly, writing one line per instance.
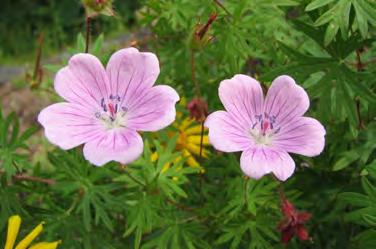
(369, 188)
(361, 19)
(327, 17)
(317, 4)
(344, 16)
(348, 158)
(80, 43)
(355, 199)
(330, 33)
(97, 45)
(368, 10)
(370, 219)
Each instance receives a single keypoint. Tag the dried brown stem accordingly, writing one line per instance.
(24, 177)
(361, 123)
(88, 21)
(37, 68)
(180, 206)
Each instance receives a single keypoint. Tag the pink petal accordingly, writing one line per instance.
(123, 146)
(286, 100)
(83, 81)
(68, 124)
(303, 135)
(225, 133)
(131, 73)
(258, 162)
(242, 97)
(153, 110)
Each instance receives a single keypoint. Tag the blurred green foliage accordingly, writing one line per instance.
(327, 46)
(22, 21)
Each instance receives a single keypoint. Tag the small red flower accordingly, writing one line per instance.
(198, 109)
(293, 223)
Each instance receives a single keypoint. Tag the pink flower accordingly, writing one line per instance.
(265, 130)
(106, 107)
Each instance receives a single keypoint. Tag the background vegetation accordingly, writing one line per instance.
(328, 46)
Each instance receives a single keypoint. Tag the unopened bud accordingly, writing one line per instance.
(98, 7)
(201, 36)
(198, 109)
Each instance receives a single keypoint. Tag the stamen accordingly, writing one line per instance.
(112, 114)
(263, 130)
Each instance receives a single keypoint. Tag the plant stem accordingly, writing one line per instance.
(23, 177)
(37, 67)
(193, 73)
(361, 124)
(202, 137)
(134, 179)
(88, 20)
(359, 67)
(222, 7)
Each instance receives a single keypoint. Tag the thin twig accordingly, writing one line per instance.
(133, 178)
(245, 194)
(39, 55)
(359, 64)
(193, 73)
(180, 206)
(359, 67)
(202, 137)
(88, 19)
(24, 177)
(281, 192)
(222, 7)
(361, 124)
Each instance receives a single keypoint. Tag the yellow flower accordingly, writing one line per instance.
(14, 224)
(189, 141)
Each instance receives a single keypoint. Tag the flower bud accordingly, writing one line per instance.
(201, 37)
(98, 7)
(198, 109)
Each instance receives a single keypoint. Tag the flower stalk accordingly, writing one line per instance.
(87, 43)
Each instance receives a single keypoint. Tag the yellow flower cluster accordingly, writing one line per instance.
(188, 143)
(14, 224)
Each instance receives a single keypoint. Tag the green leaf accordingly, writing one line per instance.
(369, 188)
(330, 33)
(369, 11)
(371, 168)
(355, 199)
(80, 43)
(361, 19)
(52, 68)
(317, 4)
(344, 15)
(347, 158)
(97, 45)
(328, 16)
(370, 219)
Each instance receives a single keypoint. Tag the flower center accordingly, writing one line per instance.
(263, 130)
(111, 114)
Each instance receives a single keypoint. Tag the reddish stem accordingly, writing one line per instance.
(88, 19)
(23, 177)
